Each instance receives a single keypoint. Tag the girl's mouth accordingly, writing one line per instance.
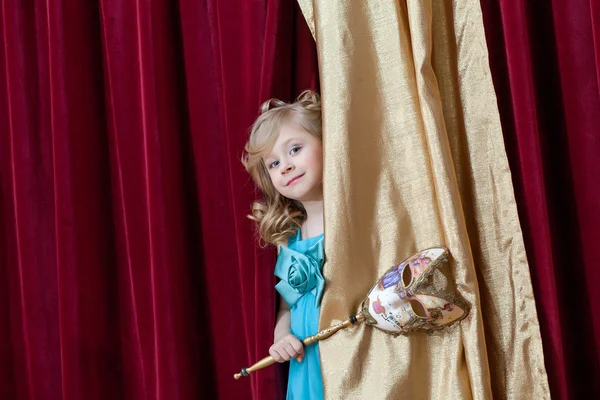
(290, 183)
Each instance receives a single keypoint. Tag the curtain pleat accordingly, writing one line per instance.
(128, 268)
(544, 63)
(414, 158)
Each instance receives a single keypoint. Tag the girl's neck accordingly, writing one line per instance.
(313, 224)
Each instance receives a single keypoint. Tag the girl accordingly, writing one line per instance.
(284, 155)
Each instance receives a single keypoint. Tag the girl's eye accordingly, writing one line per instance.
(274, 164)
(295, 149)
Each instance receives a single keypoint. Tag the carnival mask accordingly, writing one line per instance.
(397, 304)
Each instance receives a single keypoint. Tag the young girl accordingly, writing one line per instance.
(285, 158)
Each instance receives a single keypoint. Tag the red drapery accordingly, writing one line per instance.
(127, 266)
(545, 60)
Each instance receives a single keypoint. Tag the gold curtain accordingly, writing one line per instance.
(414, 157)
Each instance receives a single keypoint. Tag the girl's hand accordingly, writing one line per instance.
(286, 348)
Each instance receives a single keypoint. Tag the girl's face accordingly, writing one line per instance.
(295, 164)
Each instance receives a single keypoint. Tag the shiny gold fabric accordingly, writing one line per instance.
(414, 157)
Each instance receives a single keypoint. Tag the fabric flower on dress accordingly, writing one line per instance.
(300, 273)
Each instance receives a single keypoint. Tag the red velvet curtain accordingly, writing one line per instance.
(545, 59)
(128, 269)
(127, 266)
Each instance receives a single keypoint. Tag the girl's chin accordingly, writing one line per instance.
(309, 197)
(298, 196)
(299, 192)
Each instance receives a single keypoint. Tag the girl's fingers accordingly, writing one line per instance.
(289, 350)
(298, 347)
(276, 355)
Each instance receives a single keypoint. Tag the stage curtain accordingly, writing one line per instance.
(545, 62)
(414, 157)
(128, 268)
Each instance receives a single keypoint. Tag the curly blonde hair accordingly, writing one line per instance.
(278, 217)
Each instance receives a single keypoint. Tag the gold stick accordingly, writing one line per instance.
(324, 334)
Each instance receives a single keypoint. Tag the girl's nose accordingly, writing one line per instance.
(288, 168)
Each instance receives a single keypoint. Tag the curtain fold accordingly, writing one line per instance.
(128, 268)
(226, 83)
(545, 69)
(414, 157)
(122, 200)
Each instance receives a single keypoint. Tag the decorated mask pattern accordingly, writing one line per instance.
(397, 305)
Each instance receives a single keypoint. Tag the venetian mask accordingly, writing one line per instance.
(398, 305)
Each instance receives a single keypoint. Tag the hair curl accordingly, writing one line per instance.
(278, 217)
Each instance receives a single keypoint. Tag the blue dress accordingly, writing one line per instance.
(299, 266)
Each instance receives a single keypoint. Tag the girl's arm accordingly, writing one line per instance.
(285, 345)
(282, 321)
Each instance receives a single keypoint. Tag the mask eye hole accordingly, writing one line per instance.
(407, 275)
(418, 308)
